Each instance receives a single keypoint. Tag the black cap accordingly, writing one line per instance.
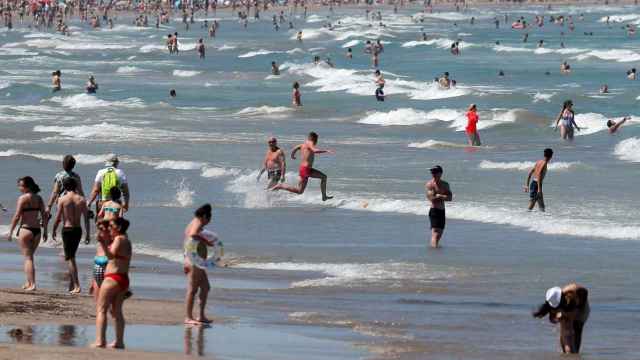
(436, 169)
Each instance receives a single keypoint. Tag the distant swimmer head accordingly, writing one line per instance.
(472, 107)
(313, 137)
(610, 123)
(112, 161)
(377, 72)
(548, 153)
(296, 85)
(567, 104)
(272, 142)
(68, 163)
(446, 73)
(501, 73)
(204, 213)
(172, 93)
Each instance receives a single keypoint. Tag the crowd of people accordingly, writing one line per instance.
(110, 285)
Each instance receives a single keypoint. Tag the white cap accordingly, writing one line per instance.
(553, 296)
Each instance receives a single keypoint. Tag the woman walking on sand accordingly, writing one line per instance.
(30, 212)
(197, 279)
(116, 283)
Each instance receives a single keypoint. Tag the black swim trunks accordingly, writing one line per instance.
(437, 218)
(71, 237)
(274, 175)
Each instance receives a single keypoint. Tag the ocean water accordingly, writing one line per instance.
(360, 261)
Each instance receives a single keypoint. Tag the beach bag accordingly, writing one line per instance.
(109, 180)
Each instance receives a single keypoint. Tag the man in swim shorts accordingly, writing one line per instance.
(72, 207)
(534, 188)
(309, 151)
(438, 191)
(274, 164)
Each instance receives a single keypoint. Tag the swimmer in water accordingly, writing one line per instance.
(56, 80)
(614, 126)
(565, 68)
(92, 85)
(172, 93)
(604, 89)
(379, 80)
(274, 164)
(299, 36)
(309, 151)
(349, 54)
(200, 48)
(631, 74)
(296, 97)
(567, 115)
(538, 173)
(275, 70)
(444, 81)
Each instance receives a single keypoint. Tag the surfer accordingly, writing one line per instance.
(438, 191)
(538, 173)
(309, 151)
(274, 164)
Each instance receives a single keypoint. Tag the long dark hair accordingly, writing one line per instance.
(122, 224)
(30, 184)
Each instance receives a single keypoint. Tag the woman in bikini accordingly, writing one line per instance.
(30, 212)
(115, 284)
(100, 261)
(112, 209)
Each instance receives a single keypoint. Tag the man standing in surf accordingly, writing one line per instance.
(534, 187)
(309, 151)
(438, 192)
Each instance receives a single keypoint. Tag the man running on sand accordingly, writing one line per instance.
(309, 151)
(274, 164)
(72, 207)
(438, 191)
(534, 187)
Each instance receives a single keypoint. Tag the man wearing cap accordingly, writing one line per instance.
(274, 164)
(105, 179)
(438, 192)
(568, 306)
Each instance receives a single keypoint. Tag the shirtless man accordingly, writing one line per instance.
(274, 164)
(200, 48)
(438, 192)
(71, 208)
(309, 151)
(614, 126)
(534, 188)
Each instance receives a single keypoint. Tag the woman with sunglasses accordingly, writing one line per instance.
(115, 284)
(30, 212)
